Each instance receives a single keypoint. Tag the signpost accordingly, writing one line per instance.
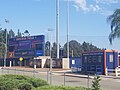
(21, 59)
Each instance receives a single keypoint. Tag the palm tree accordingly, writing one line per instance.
(114, 20)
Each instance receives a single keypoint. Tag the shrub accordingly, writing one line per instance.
(10, 82)
(96, 83)
(38, 82)
(25, 86)
(7, 84)
(60, 88)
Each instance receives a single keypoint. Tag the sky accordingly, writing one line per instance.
(87, 19)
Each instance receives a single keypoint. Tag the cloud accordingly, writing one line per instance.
(107, 1)
(95, 8)
(81, 4)
(77, 7)
(99, 6)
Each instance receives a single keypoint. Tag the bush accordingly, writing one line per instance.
(60, 88)
(96, 83)
(25, 86)
(7, 84)
(14, 82)
(38, 82)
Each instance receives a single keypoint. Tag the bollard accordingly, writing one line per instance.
(106, 72)
(10, 63)
(34, 66)
(116, 74)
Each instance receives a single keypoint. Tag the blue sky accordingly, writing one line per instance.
(87, 19)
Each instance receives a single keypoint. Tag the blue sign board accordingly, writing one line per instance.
(39, 53)
(28, 46)
(24, 53)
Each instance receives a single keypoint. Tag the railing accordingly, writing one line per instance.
(115, 71)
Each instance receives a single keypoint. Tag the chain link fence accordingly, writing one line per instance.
(53, 78)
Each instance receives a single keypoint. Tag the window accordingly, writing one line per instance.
(94, 59)
(90, 59)
(73, 61)
(85, 59)
(111, 58)
(39, 46)
(99, 59)
(93, 68)
(88, 68)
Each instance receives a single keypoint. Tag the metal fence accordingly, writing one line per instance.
(53, 78)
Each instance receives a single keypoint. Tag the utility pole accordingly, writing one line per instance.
(57, 26)
(67, 28)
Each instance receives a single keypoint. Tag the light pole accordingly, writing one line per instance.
(5, 48)
(7, 21)
(50, 37)
(57, 26)
(67, 28)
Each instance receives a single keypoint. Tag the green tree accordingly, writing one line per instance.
(114, 20)
(73, 46)
(26, 33)
(11, 34)
(19, 33)
(87, 47)
(96, 83)
(2, 42)
(47, 48)
(54, 50)
(76, 49)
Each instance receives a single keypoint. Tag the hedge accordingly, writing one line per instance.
(21, 82)
(60, 88)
